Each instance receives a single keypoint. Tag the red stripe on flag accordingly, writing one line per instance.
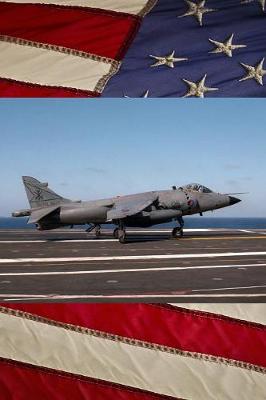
(21, 381)
(107, 34)
(12, 88)
(168, 326)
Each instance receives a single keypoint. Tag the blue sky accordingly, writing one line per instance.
(87, 149)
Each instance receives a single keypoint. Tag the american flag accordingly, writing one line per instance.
(132, 351)
(133, 48)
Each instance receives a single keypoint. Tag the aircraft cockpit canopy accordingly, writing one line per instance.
(196, 187)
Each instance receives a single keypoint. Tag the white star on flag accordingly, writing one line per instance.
(196, 10)
(167, 60)
(226, 47)
(198, 89)
(256, 72)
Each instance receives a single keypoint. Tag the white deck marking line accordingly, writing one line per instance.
(111, 230)
(170, 230)
(229, 288)
(94, 240)
(254, 232)
(118, 258)
(129, 296)
(59, 241)
(110, 271)
(35, 296)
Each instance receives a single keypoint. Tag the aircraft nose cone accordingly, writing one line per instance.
(233, 200)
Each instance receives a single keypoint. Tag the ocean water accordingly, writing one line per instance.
(190, 222)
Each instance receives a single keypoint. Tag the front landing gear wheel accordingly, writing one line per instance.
(177, 232)
(122, 235)
(115, 233)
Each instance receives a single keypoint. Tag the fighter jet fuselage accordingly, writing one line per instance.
(50, 211)
(169, 204)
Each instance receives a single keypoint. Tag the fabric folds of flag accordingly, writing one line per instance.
(58, 48)
(132, 351)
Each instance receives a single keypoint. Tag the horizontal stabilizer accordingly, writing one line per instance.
(37, 215)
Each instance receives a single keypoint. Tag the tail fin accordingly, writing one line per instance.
(40, 195)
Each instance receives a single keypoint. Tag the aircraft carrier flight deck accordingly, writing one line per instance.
(208, 265)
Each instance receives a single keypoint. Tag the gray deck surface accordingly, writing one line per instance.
(70, 265)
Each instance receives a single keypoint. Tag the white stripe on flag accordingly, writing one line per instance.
(248, 312)
(130, 7)
(52, 68)
(54, 347)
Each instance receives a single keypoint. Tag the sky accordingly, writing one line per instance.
(96, 148)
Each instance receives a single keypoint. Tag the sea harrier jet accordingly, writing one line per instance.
(48, 210)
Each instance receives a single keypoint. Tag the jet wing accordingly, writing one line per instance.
(36, 215)
(124, 208)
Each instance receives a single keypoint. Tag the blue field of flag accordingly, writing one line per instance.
(212, 48)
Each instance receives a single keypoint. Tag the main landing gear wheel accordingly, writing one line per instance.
(97, 231)
(122, 235)
(115, 233)
(177, 232)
